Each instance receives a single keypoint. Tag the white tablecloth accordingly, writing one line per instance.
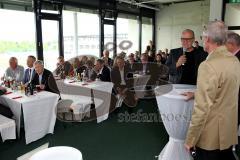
(7, 128)
(58, 153)
(38, 113)
(81, 105)
(176, 115)
(100, 90)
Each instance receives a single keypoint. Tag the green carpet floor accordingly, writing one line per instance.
(109, 140)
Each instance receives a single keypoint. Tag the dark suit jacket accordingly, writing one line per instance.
(110, 62)
(104, 76)
(5, 111)
(152, 70)
(133, 67)
(175, 74)
(81, 69)
(116, 77)
(48, 80)
(26, 75)
(200, 48)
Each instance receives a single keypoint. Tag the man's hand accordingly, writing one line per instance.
(42, 87)
(187, 147)
(182, 59)
(189, 95)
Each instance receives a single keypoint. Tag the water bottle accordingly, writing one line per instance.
(31, 88)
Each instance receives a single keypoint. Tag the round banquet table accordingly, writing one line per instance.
(176, 115)
(58, 153)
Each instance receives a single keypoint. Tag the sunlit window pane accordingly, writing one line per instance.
(69, 30)
(127, 30)
(50, 43)
(17, 37)
(88, 34)
(147, 32)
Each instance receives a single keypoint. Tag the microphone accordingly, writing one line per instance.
(193, 152)
(184, 53)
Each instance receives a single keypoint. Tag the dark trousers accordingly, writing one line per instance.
(214, 154)
(5, 111)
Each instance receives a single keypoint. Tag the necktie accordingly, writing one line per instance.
(29, 77)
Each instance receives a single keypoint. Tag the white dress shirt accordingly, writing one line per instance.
(122, 77)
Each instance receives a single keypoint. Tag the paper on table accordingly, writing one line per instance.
(181, 91)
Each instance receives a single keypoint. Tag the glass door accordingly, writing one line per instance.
(50, 43)
(108, 39)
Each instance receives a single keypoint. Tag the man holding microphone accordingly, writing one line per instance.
(183, 62)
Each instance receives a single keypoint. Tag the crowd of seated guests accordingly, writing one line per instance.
(159, 65)
(143, 64)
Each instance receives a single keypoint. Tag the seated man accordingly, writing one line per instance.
(30, 71)
(5, 111)
(44, 79)
(132, 63)
(101, 71)
(63, 67)
(108, 61)
(122, 79)
(89, 71)
(14, 70)
(148, 68)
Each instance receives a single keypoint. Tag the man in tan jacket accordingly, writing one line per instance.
(213, 127)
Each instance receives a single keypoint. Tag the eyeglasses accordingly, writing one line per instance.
(186, 39)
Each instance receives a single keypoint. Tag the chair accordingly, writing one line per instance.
(58, 153)
(7, 128)
(63, 109)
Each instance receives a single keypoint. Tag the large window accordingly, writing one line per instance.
(147, 32)
(232, 15)
(88, 34)
(50, 43)
(81, 33)
(108, 38)
(17, 37)
(69, 30)
(127, 30)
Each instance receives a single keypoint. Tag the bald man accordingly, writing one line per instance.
(183, 62)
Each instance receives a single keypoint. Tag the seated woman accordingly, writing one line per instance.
(122, 80)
